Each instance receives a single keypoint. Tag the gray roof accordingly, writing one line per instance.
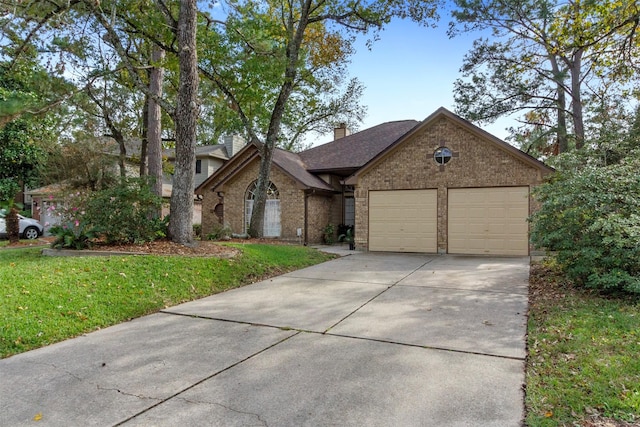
(354, 151)
(218, 151)
(343, 155)
(292, 164)
(349, 156)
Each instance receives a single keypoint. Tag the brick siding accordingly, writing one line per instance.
(318, 216)
(291, 201)
(479, 163)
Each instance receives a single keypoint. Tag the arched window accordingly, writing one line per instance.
(271, 226)
(272, 191)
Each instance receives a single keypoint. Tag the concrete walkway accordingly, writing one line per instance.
(367, 339)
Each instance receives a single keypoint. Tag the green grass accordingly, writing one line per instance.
(584, 354)
(50, 299)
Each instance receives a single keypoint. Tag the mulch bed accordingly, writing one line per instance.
(42, 241)
(164, 247)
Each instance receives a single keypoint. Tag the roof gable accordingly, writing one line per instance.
(229, 168)
(357, 152)
(290, 163)
(438, 114)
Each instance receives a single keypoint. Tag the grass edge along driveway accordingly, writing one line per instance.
(583, 365)
(50, 299)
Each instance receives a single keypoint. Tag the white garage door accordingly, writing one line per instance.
(403, 221)
(488, 221)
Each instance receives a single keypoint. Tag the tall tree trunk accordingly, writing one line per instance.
(296, 31)
(181, 206)
(563, 142)
(122, 156)
(256, 227)
(576, 99)
(145, 136)
(154, 127)
(561, 106)
(12, 223)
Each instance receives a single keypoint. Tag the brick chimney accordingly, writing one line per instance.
(341, 131)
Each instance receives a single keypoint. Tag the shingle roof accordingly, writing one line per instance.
(212, 150)
(218, 151)
(354, 151)
(292, 164)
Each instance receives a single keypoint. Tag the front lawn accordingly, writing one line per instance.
(584, 355)
(50, 299)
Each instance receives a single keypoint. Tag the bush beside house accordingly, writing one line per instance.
(591, 218)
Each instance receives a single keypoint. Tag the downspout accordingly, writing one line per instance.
(306, 221)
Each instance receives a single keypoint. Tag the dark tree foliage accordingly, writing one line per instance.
(591, 218)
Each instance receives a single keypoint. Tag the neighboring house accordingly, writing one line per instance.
(41, 200)
(442, 185)
(46, 200)
(209, 158)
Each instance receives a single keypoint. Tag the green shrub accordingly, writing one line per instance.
(591, 218)
(71, 230)
(72, 235)
(127, 212)
(197, 230)
(328, 234)
(346, 234)
(220, 232)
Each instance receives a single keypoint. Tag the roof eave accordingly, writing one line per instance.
(345, 171)
(301, 184)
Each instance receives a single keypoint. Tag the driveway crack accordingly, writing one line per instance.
(377, 295)
(262, 421)
(197, 383)
(57, 368)
(124, 393)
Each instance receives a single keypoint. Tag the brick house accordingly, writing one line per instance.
(442, 185)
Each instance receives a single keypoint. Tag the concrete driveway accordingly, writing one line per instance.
(368, 339)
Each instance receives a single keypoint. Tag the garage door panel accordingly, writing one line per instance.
(403, 221)
(497, 230)
(488, 221)
(494, 212)
(514, 229)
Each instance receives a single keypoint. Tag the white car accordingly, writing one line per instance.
(29, 227)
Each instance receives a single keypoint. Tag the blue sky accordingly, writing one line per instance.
(409, 73)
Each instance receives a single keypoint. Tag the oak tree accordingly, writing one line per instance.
(548, 58)
(268, 57)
